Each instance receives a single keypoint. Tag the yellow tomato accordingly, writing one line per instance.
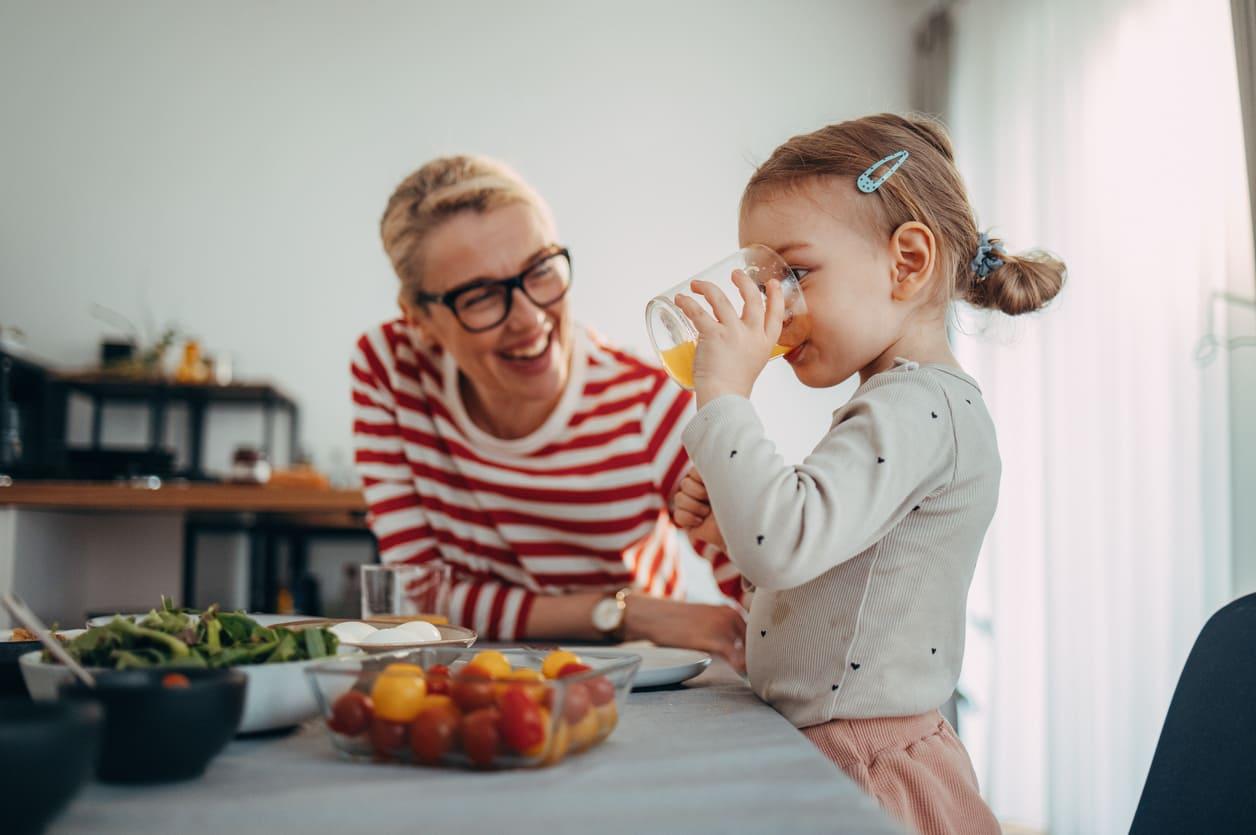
(585, 732)
(526, 674)
(436, 700)
(607, 719)
(404, 669)
(559, 744)
(493, 662)
(556, 660)
(398, 694)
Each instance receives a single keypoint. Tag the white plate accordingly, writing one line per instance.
(277, 695)
(660, 666)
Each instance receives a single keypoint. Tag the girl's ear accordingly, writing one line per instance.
(914, 256)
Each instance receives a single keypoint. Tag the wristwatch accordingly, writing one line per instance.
(608, 615)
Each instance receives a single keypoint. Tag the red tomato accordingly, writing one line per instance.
(573, 670)
(387, 737)
(601, 691)
(473, 689)
(480, 736)
(438, 670)
(433, 734)
(175, 681)
(521, 724)
(351, 713)
(438, 683)
(576, 703)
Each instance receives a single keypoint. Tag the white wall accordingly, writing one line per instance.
(223, 166)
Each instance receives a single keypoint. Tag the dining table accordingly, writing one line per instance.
(703, 756)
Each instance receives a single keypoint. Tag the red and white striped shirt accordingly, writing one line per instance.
(581, 504)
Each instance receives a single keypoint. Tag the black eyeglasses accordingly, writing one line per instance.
(483, 304)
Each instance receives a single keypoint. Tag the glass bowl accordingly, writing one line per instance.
(451, 707)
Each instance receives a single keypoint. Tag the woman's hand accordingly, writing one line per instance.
(732, 349)
(691, 511)
(720, 630)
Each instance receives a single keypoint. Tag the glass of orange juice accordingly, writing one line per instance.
(674, 337)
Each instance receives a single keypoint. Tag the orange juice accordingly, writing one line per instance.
(678, 360)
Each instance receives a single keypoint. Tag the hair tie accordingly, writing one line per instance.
(987, 259)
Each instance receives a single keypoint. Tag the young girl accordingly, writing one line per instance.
(861, 555)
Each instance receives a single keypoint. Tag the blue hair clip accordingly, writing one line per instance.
(987, 259)
(868, 185)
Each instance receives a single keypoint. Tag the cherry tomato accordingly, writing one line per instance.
(480, 737)
(175, 681)
(607, 719)
(556, 660)
(526, 674)
(576, 703)
(561, 742)
(492, 661)
(473, 690)
(585, 732)
(387, 737)
(351, 713)
(438, 679)
(434, 732)
(601, 690)
(573, 669)
(521, 726)
(436, 700)
(398, 693)
(534, 687)
(540, 748)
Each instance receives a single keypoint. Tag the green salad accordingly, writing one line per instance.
(173, 637)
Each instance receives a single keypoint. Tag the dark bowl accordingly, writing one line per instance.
(47, 752)
(11, 683)
(156, 733)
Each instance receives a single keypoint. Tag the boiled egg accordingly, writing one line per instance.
(353, 632)
(421, 630)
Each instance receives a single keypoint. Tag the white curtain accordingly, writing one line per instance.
(1108, 132)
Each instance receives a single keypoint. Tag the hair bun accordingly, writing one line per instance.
(1021, 284)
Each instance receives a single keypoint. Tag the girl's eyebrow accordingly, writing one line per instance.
(793, 245)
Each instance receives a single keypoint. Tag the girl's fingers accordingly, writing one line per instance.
(694, 488)
(691, 505)
(685, 519)
(702, 320)
(774, 317)
(752, 297)
(719, 302)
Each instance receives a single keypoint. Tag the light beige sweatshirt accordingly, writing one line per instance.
(862, 555)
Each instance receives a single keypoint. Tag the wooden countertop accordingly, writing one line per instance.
(72, 495)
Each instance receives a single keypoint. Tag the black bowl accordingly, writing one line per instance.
(11, 683)
(47, 752)
(155, 733)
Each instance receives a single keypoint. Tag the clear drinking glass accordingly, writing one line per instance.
(674, 337)
(405, 589)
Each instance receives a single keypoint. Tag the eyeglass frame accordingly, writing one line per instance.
(450, 297)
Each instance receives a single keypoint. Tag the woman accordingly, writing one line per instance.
(496, 434)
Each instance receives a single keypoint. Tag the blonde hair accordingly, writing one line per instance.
(436, 192)
(927, 189)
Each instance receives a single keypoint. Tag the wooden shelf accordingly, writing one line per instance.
(242, 498)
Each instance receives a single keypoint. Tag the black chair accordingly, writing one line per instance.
(1203, 776)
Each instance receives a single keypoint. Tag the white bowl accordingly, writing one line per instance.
(277, 695)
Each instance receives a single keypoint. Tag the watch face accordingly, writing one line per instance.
(606, 615)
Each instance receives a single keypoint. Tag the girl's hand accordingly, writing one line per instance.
(732, 350)
(691, 510)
